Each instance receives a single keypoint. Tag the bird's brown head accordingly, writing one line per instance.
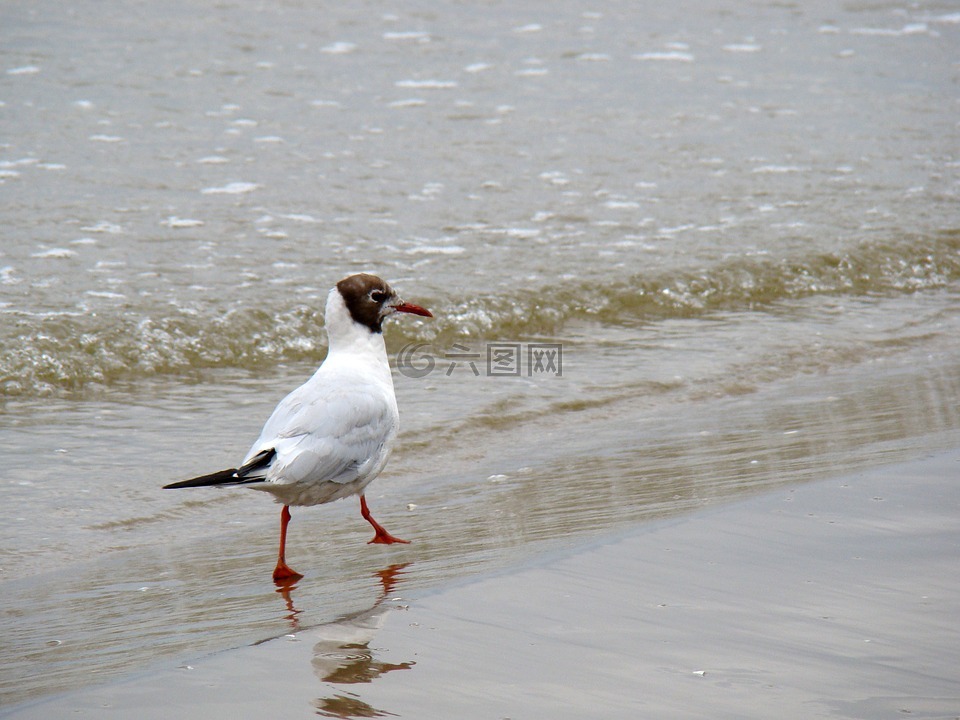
(370, 300)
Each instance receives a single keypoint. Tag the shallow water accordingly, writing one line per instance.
(739, 224)
(836, 597)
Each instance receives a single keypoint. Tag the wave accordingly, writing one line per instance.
(70, 353)
(742, 283)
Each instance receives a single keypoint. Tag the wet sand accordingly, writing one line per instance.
(836, 599)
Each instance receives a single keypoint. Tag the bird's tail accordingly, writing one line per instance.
(246, 473)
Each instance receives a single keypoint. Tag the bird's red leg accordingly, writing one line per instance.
(283, 573)
(382, 537)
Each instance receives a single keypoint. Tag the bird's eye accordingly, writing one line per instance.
(378, 296)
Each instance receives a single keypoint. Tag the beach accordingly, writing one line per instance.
(679, 440)
(835, 599)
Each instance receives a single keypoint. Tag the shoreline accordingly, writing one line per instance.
(836, 598)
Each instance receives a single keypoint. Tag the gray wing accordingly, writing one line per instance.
(333, 435)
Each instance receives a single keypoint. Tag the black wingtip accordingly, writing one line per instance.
(233, 476)
(223, 477)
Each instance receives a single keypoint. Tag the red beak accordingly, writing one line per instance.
(412, 309)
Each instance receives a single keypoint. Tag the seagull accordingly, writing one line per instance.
(331, 437)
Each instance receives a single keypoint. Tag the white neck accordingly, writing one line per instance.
(347, 336)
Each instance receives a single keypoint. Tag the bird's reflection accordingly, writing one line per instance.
(342, 654)
(347, 706)
(286, 586)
